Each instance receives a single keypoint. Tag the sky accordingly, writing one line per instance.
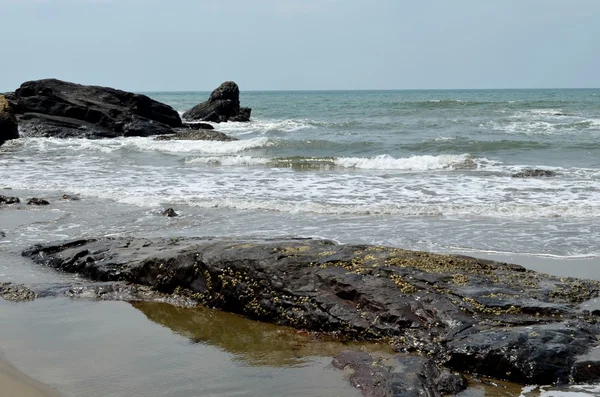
(194, 45)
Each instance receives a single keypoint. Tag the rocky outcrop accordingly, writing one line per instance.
(198, 126)
(37, 201)
(8, 122)
(55, 108)
(533, 173)
(9, 200)
(223, 105)
(16, 293)
(193, 135)
(170, 213)
(468, 314)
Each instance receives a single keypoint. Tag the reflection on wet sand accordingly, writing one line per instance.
(251, 342)
(14, 383)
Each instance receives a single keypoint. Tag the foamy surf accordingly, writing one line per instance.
(413, 163)
(260, 126)
(143, 144)
(229, 160)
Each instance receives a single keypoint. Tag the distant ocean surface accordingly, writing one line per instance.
(427, 170)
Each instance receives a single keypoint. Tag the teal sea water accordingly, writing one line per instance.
(418, 169)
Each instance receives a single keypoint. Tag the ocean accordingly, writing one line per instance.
(427, 170)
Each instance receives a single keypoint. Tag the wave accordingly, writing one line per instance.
(529, 126)
(229, 160)
(413, 163)
(445, 144)
(382, 162)
(512, 211)
(474, 252)
(143, 145)
(265, 126)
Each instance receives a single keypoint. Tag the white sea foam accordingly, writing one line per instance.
(146, 144)
(543, 122)
(413, 163)
(209, 147)
(229, 160)
(259, 126)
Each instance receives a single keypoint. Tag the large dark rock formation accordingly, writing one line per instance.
(468, 314)
(223, 105)
(54, 108)
(8, 122)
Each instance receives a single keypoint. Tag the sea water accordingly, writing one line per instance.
(427, 170)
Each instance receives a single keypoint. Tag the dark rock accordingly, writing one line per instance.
(475, 315)
(223, 105)
(242, 115)
(60, 109)
(105, 291)
(198, 126)
(37, 201)
(586, 368)
(170, 212)
(16, 293)
(120, 291)
(534, 173)
(200, 135)
(8, 122)
(402, 376)
(542, 354)
(9, 200)
(2, 234)
(68, 197)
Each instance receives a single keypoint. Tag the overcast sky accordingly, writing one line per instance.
(160, 45)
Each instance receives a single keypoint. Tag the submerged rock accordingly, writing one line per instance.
(69, 197)
(55, 108)
(170, 212)
(534, 173)
(402, 376)
(472, 315)
(16, 293)
(8, 122)
(198, 126)
(37, 201)
(9, 200)
(222, 105)
(201, 135)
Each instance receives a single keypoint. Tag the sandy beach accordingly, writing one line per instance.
(14, 383)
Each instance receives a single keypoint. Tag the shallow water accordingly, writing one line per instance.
(111, 349)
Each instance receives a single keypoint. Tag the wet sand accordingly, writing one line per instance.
(14, 383)
(585, 268)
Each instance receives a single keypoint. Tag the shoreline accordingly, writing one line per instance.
(15, 383)
(19, 384)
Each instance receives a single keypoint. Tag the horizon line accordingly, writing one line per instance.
(380, 89)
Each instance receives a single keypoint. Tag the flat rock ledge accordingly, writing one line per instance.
(458, 313)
